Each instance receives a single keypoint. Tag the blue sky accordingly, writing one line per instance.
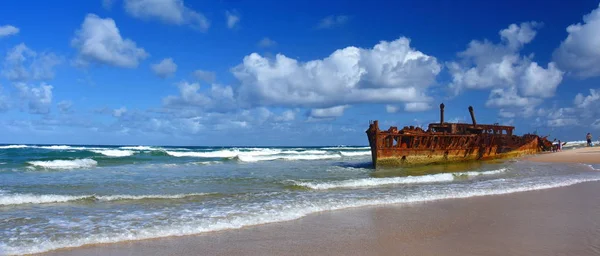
(237, 72)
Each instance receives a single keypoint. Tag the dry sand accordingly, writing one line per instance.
(589, 155)
(559, 221)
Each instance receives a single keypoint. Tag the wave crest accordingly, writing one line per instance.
(372, 182)
(65, 164)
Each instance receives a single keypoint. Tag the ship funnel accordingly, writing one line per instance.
(472, 115)
(442, 113)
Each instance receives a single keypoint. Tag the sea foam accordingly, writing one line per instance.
(372, 182)
(65, 164)
(114, 152)
(16, 199)
(264, 216)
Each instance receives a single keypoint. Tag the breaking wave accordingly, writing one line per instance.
(372, 182)
(114, 152)
(285, 157)
(13, 146)
(355, 153)
(16, 199)
(65, 164)
(288, 212)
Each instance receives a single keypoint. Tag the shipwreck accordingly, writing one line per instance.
(449, 142)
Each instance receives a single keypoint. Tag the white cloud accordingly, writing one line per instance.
(38, 99)
(580, 51)
(416, 106)
(286, 116)
(165, 68)
(99, 40)
(8, 30)
(332, 21)
(266, 42)
(205, 76)
(119, 111)
(390, 72)
(485, 65)
(336, 111)
(391, 108)
(517, 83)
(218, 98)
(65, 106)
(168, 11)
(22, 63)
(508, 97)
(582, 101)
(232, 18)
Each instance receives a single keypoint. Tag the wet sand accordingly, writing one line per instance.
(589, 155)
(558, 221)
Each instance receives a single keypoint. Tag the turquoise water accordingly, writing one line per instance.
(66, 196)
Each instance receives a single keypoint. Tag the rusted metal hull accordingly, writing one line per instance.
(449, 143)
(448, 149)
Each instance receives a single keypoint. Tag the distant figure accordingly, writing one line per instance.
(559, 146)
(589, 139)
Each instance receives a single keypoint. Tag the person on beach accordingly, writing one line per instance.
(589, 139)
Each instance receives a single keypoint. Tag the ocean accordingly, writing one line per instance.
(64, 196)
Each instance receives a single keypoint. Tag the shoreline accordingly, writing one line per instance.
(585, 155)
(581, 156)
(462, 226)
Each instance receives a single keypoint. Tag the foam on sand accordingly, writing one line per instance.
(65, 164)
(237, 219)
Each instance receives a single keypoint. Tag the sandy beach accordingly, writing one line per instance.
(589, 155)
(557, 221)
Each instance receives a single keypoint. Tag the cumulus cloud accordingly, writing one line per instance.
(515, 81)
(266, 43)
(390, 72)
(8, 30)
(416, 106)
(585, 111)
(580, 51)
(331, 112)
(218, 98)
(22, 63)
(167, 11)
(38, 99)
(286, 116)
(332, 21)
(165, 68)
(205, 76)
(99, 40)
(232, 18)
(391, 108)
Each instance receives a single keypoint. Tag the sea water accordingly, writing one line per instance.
(63, 196)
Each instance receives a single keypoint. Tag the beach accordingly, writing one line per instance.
(560, 220)
(590, 155)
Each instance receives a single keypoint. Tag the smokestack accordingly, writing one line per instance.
(472, 116)
(442, 113)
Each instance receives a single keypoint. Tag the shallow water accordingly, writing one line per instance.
(63, 196)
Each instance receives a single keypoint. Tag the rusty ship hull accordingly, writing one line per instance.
(449, 143)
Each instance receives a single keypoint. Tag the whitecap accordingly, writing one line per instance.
(114, 152)
(65, 164)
